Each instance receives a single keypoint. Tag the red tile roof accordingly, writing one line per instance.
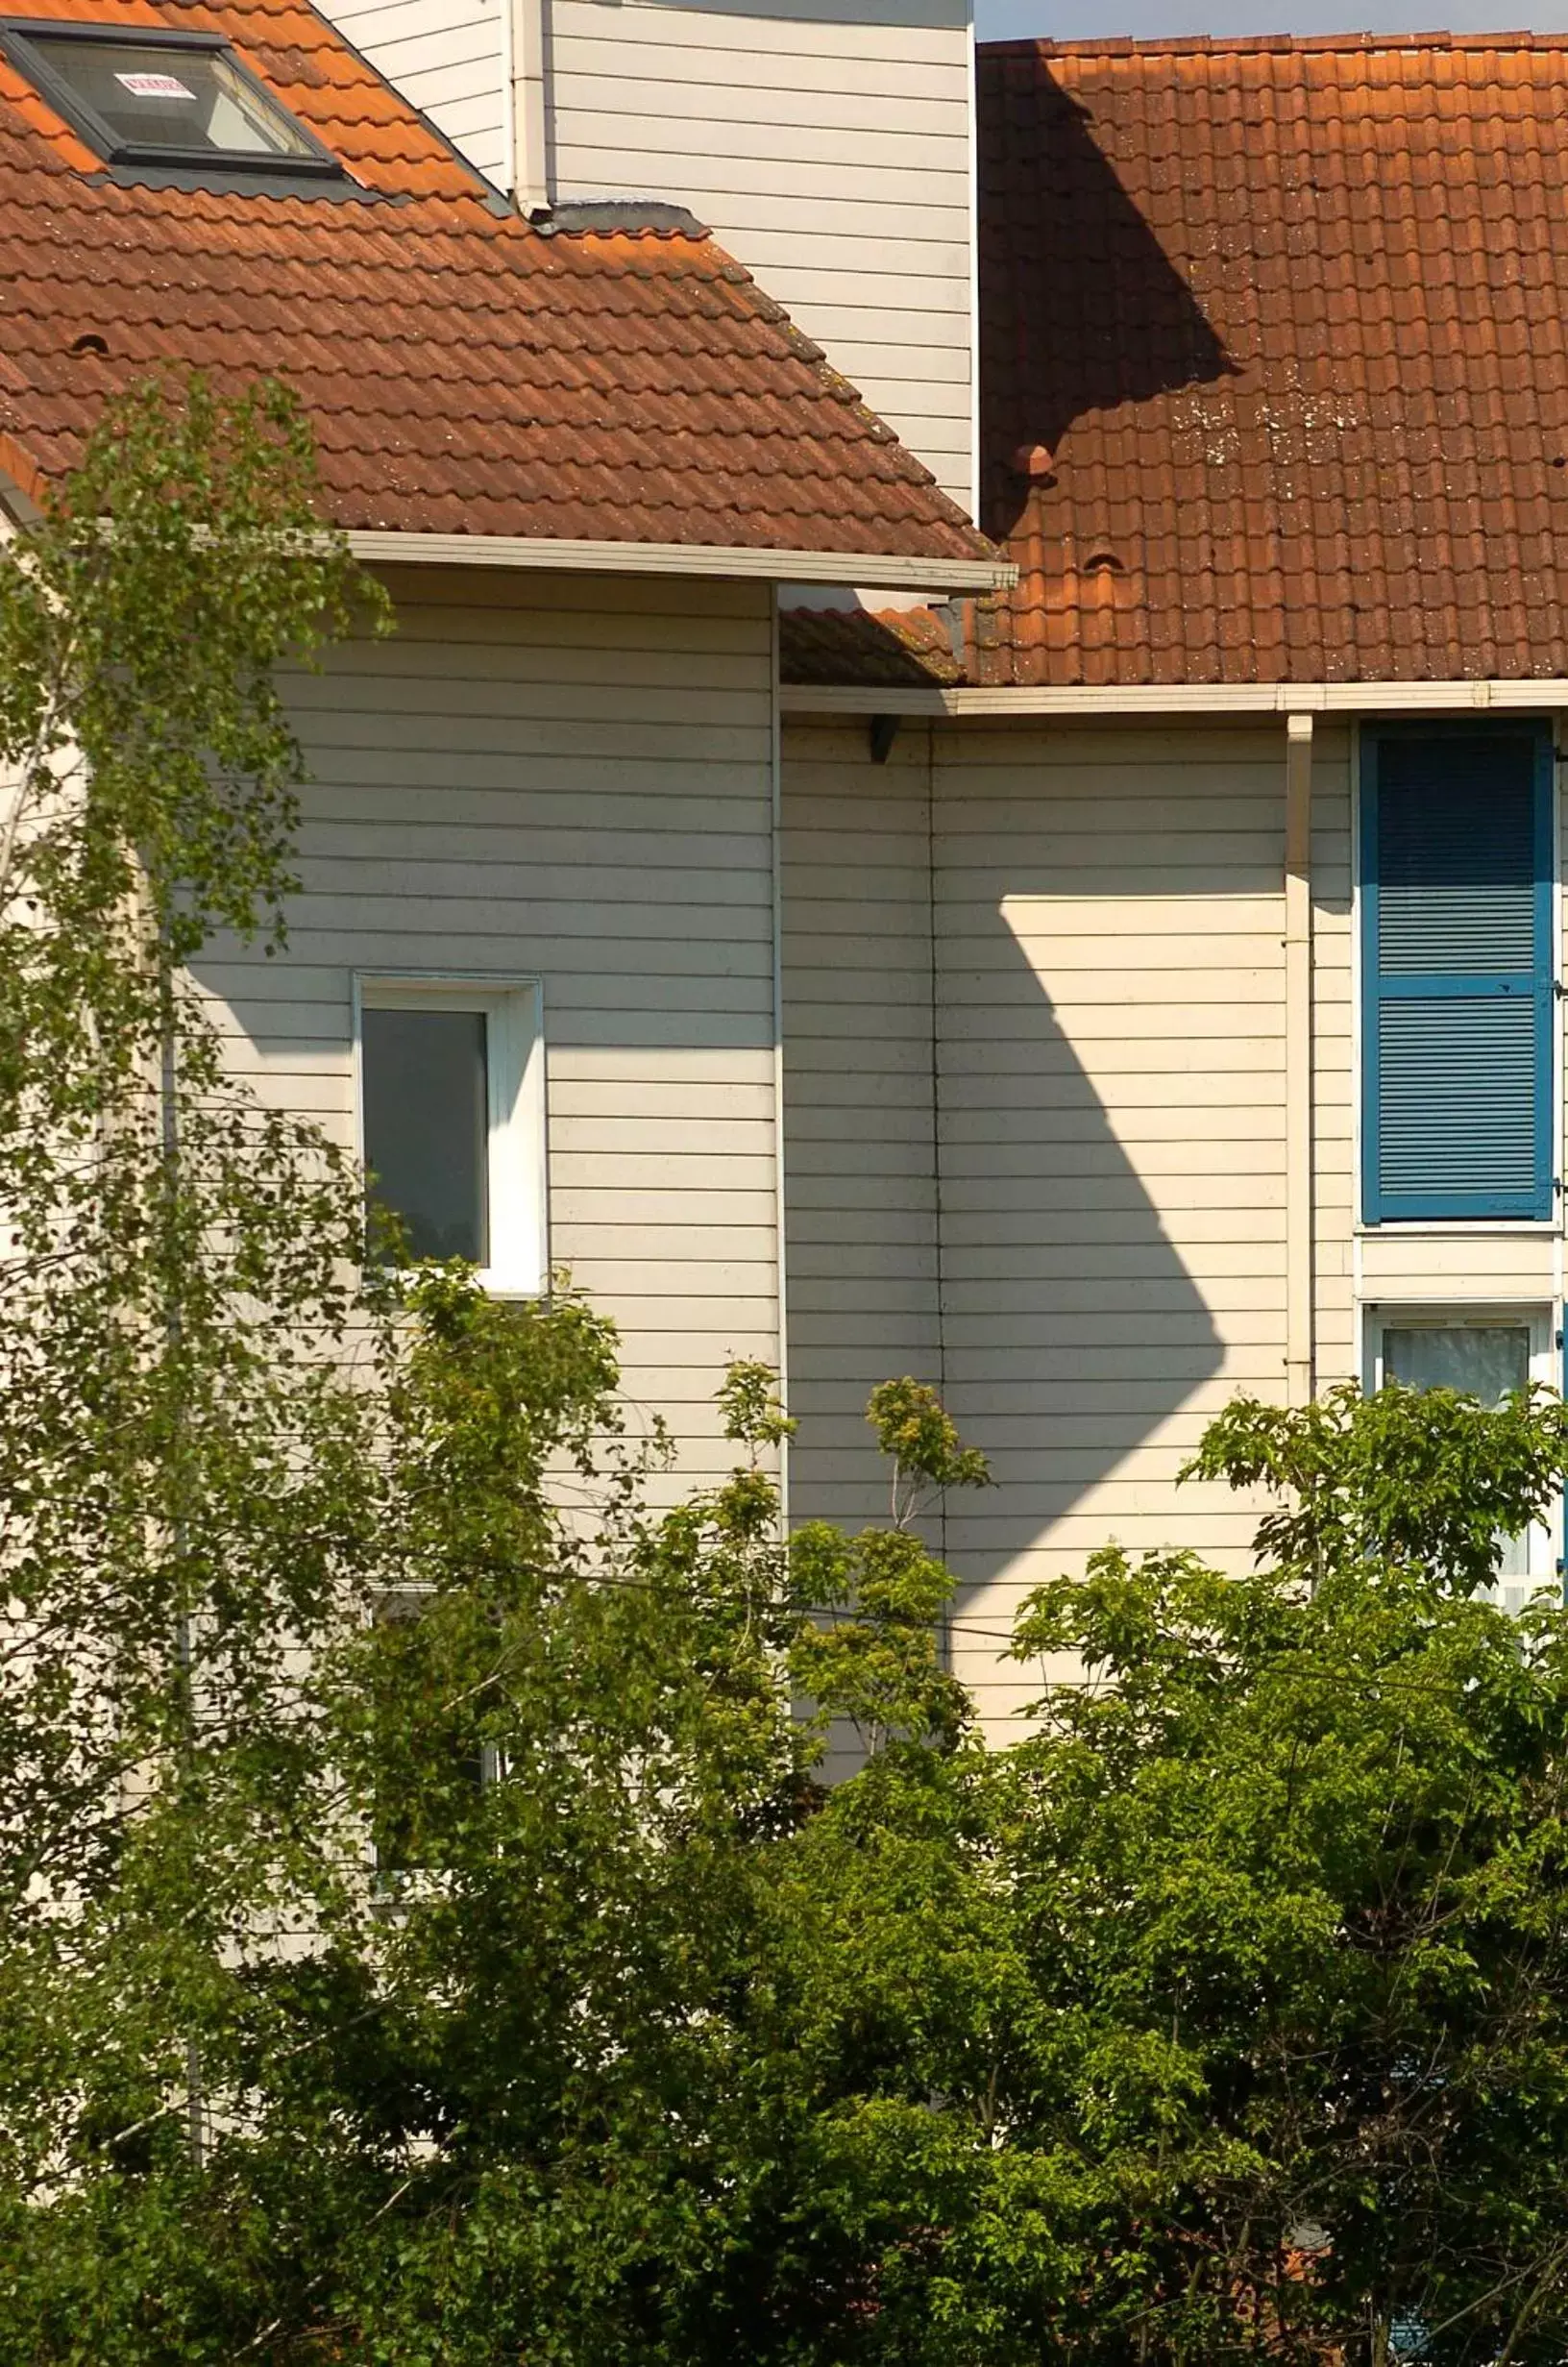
(464, 373)
(1273, 359)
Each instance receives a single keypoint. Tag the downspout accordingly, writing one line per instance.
(1300, 1343)
(974, 271)
(529, 130)
(781, 1205)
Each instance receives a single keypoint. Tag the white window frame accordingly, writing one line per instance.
(1542, 1566)
(519, 1185)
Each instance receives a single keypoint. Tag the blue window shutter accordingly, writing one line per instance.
(1456, 972)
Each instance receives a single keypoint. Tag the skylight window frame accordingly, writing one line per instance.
(18, 39)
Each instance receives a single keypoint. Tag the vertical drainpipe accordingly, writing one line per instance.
(780, 1175)
(528, 127)
(1300, 1351)
(974, 273)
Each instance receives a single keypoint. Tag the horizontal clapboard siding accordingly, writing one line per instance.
(860, 1159)
(1458, 970)
(1106, 1091)
(573, 780)
(830, 154)
(1112, 1138)
(448, 58)
(1098, 1117)
(1409, 1264)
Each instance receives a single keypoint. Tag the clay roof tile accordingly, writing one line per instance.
(1288, 314)
(464, 372)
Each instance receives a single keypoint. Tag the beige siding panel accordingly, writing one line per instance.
(1422, 1268)
(860, 1169)
(1096, 916)
(832, 157)
(447, 57)
(1112, 1125)
(632, 870)
(1102, 946)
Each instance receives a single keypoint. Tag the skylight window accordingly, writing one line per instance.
(174, 99)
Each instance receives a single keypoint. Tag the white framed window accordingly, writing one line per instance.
(1483, 1352)
(450, 1078)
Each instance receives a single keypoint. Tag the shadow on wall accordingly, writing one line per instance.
(1075, 1331)
(1072, 1329)
(1081, 309)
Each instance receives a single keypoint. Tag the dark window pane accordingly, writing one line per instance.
(154, 96)
(426, 1127)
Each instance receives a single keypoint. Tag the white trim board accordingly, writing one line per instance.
(877, 571)
(1195, 699)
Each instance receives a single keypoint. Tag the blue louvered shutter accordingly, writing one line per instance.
(1456, 972)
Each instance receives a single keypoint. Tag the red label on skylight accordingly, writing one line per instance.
(155, 85)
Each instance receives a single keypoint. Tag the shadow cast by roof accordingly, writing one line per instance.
(1082, 308)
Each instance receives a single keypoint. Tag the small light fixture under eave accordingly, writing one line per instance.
(145, 96)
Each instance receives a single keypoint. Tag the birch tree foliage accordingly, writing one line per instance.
(182, 1463)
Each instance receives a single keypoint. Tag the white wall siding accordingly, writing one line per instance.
(1102, 1192)
(1107, 1104)
(573, 780)
(829, 148)
(448, 58)
(860, 1152)
(1112, 1133)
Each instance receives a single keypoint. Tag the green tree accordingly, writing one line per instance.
(429, 1933)
(1291, 1859)
(185, 1484)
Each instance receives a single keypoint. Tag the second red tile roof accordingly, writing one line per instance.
(1274, 359)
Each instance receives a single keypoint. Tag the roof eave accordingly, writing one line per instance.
(1527, 694)
(875, 571)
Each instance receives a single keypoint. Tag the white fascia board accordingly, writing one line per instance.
(876, 570)
(1195, 699)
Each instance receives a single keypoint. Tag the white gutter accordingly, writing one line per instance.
(882, 571)
(1156, 699)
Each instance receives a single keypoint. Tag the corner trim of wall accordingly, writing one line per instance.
(1300, 1343)
(528, 128)
(973, 504)
(780, 1179)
